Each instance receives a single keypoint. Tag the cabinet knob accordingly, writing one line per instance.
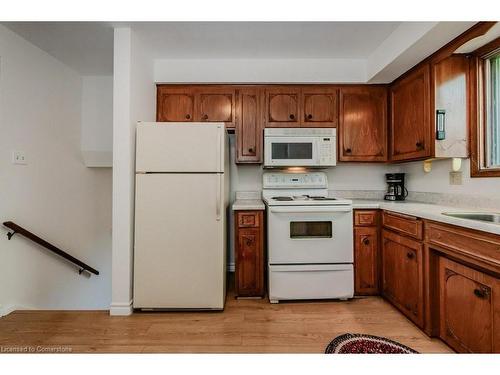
(410, 255)
(366, 241)
(420, 145)
(292, 117)
(250, 149)
(309, 116)
(205, 117)
(188, 117)
(348, 150)
(481, 292)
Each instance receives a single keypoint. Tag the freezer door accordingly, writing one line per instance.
(179, 257)
(174, 147)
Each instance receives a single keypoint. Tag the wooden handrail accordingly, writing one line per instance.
(33, 237)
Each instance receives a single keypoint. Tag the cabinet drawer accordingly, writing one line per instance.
(248, 219)
(479, 246)
(365, 218)
(404, 224)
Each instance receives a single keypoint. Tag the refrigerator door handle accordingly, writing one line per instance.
(219, 147)
(218, 198)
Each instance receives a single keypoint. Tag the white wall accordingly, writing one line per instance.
(54, 195)
(134, 100)
(438, 181)
(97, 121)
(260, 70)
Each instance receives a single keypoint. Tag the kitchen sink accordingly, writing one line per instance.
(478, 216)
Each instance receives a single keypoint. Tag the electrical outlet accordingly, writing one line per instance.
(18, 157)
(456, 178)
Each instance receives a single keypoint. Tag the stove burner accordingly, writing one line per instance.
(303, 198)
(300, 197)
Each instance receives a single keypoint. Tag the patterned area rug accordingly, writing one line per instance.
(353, 343)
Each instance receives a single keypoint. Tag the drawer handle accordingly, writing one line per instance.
(410, 255)
(205, 117)
(366, 241)
(309, 116)
(481, 293)
(188, 117)
(348, 150)
(419, 145)
(249, 242)
(292, 117)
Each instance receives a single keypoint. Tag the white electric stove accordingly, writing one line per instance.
(310, 238)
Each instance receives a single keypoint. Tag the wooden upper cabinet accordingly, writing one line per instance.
(320, 107)
(175, 104)
(469, 308)
(283, 106)
(450, 91)
(216, 104)
(410, 116)
(363, 124)
(249, 125)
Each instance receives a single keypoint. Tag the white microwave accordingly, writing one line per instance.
(300, 147)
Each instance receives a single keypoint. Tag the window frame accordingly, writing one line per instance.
(478, 110)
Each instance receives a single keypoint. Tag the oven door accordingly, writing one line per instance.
(310, 234)
(290, 151)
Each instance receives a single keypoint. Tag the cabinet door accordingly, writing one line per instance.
(249, 263)
(320, 107)
(216, 104)
(175, 104)
(402, 274)
(249, 125)
(469, 308)
(450, 94)
(410, 116)
(366, 260)
(363, 124)
(283, 107)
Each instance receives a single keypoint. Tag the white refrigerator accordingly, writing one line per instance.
(181, 199)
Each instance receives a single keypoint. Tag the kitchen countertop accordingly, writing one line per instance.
(430, 212)
(248, 204)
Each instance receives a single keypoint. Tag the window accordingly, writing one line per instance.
(485, 111)
(492, 109)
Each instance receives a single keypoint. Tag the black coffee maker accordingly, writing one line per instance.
(396, 190)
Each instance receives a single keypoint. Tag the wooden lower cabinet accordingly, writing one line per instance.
(469, 311)
(366, 261)
(249, 253)
(402, 274)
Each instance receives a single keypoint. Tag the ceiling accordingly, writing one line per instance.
(388, 48)
(88, 46)
(280, 40)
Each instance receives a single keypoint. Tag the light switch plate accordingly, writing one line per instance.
(18, 157)
(456, 178)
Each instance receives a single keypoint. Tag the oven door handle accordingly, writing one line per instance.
(302, 209)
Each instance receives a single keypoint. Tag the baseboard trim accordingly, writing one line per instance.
(6, 310)
(121, 308)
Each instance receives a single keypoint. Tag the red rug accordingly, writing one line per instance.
(353, 343)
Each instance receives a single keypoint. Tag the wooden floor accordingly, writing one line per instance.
(245, 326)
